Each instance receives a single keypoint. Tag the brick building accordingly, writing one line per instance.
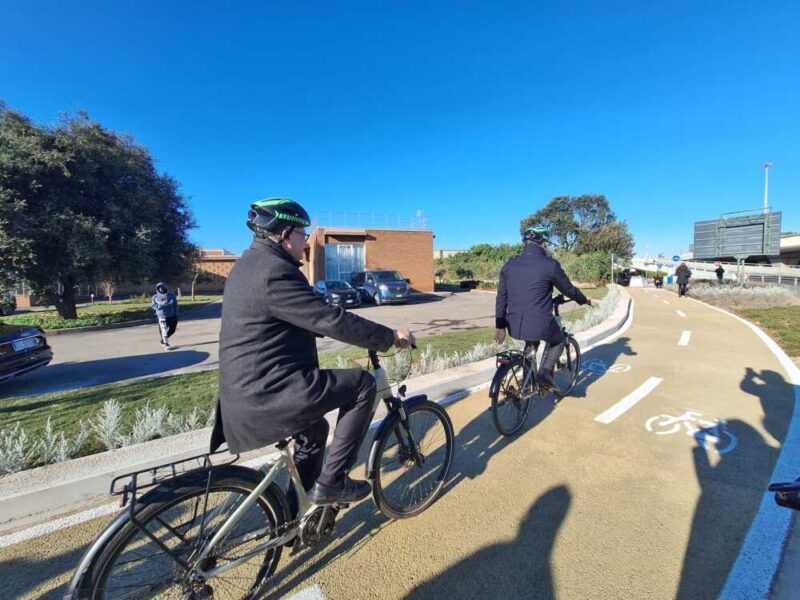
(339, 252)
(216, 266)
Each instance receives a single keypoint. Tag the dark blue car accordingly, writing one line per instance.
(22, 349)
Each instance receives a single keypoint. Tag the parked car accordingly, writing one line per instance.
(8, 304)
(382, 286)
(22, 349)
(338, 293)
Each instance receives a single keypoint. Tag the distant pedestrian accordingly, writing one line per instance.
(658, 280)
(683, 274)
(165, 304)
(720, 272)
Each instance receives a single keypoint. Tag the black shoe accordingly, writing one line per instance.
(545, 380)
(352, 491)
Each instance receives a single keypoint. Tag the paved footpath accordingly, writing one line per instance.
(600, 497)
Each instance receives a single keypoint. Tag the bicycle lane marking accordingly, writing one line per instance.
(685, 336)
(629, 401)
(681, 313)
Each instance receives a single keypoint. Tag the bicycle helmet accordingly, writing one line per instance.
(537, 234)
(271, 215)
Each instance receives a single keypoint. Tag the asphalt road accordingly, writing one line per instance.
(98, 357)
(607, 495)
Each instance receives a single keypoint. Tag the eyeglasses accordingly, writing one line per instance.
(306, 236)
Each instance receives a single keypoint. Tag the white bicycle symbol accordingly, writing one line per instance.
(703, 430)
(601, 367)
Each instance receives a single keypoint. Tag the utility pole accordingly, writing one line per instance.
(767, 165)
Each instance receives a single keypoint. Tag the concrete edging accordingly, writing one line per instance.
(36, 495)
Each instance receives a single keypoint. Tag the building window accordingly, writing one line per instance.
(343, 260)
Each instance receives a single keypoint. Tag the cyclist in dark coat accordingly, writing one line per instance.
(270, 383)
(524, 304)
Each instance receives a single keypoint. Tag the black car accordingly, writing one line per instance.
(22, 349)
(338, 293)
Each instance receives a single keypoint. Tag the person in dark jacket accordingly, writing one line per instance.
(524, 303)
(165, 305)
(270, 384)
(720, 273)
(682, 273)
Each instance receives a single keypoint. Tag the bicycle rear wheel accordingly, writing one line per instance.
(180, 515)
(510, 404)
(568, 367)
(405, 486)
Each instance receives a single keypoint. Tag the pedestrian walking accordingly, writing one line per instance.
(165, 305)
(720, 272)
(683, 274)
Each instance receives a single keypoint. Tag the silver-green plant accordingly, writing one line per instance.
(107, 425)
(55, 447)
(16, 450)
(148, 424)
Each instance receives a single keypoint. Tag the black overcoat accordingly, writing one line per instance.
(683, 274)
(269, 371)
(525, 295)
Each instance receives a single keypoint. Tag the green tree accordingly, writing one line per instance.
(609, 238)
(80, 203)
(573, 218)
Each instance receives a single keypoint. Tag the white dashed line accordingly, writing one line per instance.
(628, 401)
(681, 314)
(684, 341)
(665, 302)
(311, 593)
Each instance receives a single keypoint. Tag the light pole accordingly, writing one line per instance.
(767, 165)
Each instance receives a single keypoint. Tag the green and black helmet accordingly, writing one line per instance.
(538, 234)
(271, 215)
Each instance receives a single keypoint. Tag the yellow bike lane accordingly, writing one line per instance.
(613, 493)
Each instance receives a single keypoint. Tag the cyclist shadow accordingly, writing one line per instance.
(596, 362)
(732, 486)
(521, 568)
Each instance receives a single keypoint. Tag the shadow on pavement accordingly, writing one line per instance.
(67, 376)
(731, 490)
(519, 569)
(22, 576)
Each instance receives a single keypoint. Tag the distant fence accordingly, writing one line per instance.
(373, 220)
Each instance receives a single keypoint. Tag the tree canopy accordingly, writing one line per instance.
(80, 203)
(584, 224)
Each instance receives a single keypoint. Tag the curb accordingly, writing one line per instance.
(31, 497)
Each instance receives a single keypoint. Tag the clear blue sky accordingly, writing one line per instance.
(475, 112)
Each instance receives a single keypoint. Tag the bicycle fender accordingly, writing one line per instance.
(383, 429)
(124, 516)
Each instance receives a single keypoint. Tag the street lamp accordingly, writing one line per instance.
(767, 165)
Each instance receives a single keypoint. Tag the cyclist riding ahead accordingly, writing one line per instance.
(270, 384)
(525, 300)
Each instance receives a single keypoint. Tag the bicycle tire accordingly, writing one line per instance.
(191, 488)
(435, 477)
(566, 376)
(509, 400)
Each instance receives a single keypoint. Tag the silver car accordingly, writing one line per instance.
(382, 286)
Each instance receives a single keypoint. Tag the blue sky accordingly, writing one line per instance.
(476, 113)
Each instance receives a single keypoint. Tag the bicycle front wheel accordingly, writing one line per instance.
(182, 517)
(568, 367)
(510, 403)
(413, 460)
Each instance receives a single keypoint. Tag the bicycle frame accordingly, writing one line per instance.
(305, 507)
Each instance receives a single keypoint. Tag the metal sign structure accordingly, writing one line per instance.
(744, 233)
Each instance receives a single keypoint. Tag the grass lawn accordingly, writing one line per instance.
(782, 323)
(101, 313)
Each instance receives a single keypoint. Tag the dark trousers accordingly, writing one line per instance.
(554, 346)
(166, 327)
(352, 391)
(682, 289)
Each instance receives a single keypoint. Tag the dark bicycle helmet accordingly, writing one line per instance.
(537, 234)
(271, 215)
